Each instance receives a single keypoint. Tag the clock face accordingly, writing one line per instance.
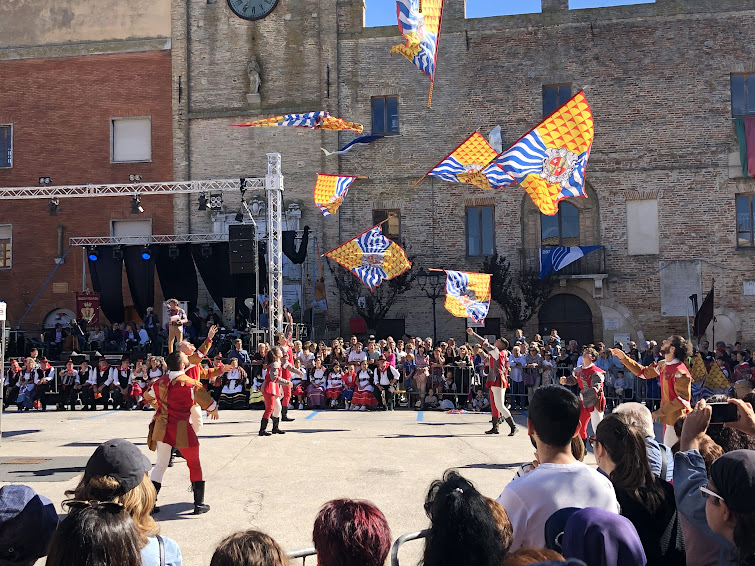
(252, 9)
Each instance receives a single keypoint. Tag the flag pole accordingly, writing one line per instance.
(430, 97)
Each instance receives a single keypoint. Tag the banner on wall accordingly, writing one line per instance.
(88, 307)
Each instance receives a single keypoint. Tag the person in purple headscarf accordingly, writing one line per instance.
(601, 538)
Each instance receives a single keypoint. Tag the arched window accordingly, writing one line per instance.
(561, 229)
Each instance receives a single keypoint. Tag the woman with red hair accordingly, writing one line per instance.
(349, 532)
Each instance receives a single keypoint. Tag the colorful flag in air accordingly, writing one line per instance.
(372, 257)
(471, 163)
(314, 120)
(553, 259)
(330, 190)
(549, 162)
(361, 140)
(419, 23)
(468, 294)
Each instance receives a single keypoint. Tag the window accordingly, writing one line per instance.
(742, 96)
(554, 96)
(6, 145)
(392, 228)
(480, 231)
(5, 246)
(562, 229)
(132, 140)
(745, 204)
(385, 115)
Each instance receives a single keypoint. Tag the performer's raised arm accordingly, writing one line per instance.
(643, 372)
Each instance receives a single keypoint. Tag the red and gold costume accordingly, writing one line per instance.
(590, 377)
(196, 371)
(498, 376)
(173, 397)
(676, 386)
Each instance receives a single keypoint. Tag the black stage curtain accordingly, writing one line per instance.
(289, 245)
(107, 280)
(141, 278)
(178, 277)
(216, 274)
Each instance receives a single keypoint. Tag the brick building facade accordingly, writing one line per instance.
(662, 179)
(67, 89)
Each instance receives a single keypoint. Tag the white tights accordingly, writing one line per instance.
(500, 405)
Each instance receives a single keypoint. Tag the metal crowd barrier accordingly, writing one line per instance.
(303, 553)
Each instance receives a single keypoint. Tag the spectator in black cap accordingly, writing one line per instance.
(118, 472)
(723, 505)
(27, 523)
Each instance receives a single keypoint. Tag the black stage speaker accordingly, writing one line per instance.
(241, 248)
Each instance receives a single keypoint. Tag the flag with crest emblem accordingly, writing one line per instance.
(330, 190)
(549, 162)
(371, 257)
(468, 294)
(314, 120)
(471, 163)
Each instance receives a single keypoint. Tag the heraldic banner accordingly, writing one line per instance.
(88, 307)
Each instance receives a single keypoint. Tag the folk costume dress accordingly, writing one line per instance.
(592, 399)
(335, 386)
(316, 389)
(232, 394)
(173, 396)
(364, 396)
(676, 391)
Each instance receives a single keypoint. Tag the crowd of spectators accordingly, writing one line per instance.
(558, 509)
(353, 375)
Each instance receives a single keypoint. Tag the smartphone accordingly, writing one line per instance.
(723, 413)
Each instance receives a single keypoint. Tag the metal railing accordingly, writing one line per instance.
(303, 553)
(590, 264)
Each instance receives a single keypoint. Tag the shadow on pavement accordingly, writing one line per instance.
(491, 466)
(49, 471)
(173, 511)
(11, 433)
(310, 431)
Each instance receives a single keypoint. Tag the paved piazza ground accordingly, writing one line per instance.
(276, 483)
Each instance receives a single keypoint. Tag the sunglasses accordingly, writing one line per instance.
(110, 506)
(707, 493)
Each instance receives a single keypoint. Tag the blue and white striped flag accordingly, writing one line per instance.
(553, 259)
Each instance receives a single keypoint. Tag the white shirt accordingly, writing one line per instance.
(531, 499)
(335, 381)
(516, 372)
(318, 377)
(383, 378)
(354, 357)
(364, 381)
(74, 379)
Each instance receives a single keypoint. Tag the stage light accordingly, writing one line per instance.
(215, 202)
(239, 216)
(202, 202)
(136, 205)
(54, 206)
(146, 254)
(45, 181)
(117, 253)
(242, 186)
(135, 178)
(93, 254)
(206, 250)
(173, 252)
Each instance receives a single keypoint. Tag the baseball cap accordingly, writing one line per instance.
(733, 476)
(555, 526)
(121, 460)
(381, 358)
(27, 523)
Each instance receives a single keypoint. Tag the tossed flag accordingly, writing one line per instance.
(468, 294)
(361, 140)
(419, 22)
(553, 259)
(330, 190)
(314, 120)
(372, 257)
(471, 163)
(704, 315)
(549, 162)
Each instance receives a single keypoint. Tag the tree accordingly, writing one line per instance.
(376, 304)
(521, 297)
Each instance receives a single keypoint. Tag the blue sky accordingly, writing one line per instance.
(383, 12)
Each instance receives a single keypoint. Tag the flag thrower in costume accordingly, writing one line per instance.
(330, 190)
(471, 163)
(549, 161)
(313, 120)
(372, 257)
(468, 294)
(419, 22)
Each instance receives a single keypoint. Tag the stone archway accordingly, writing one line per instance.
(569, 315)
